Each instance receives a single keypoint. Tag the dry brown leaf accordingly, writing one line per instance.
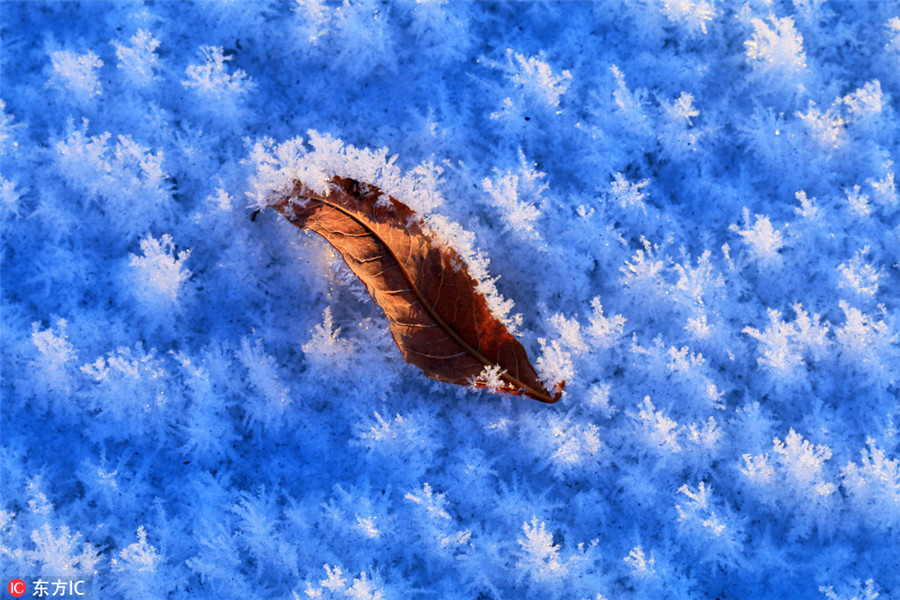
(439, 320)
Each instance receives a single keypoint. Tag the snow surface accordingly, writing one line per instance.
(687, 209)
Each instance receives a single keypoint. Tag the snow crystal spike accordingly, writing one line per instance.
(439, 320)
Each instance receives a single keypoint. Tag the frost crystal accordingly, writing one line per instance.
(695, 14)
(220, 91)
(763, 241)
(61, 553)
(874, 486)
(139, 60)
(210, 76)
(77, 73)
(711, 531)
(859, 276)
(536, 78)
(54, 361)
(775, 50)
(539, 556)
(159, 273)
(629, 196)
(641, 565)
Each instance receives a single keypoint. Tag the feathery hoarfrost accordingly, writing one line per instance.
(855, 590)
(714, 533)
(629, 196)
(763, 241)
(515, 195)
(693, 15)
(784, 346)
(630, 106)
(403, 441)
(219, 90)
(531, 89)
(129, 390)
(568, 447)
(540, 557)
(61, 554)
(139, 59)
(535, 78)
(775, 52)
(53, 367)
(137, 570)
(693, 203)
(327, 349)
(268, 397)
(868, 345)
(873, 485)
(76, 74)
(436, 526)
(795, 480)
(279, 165)
(358, 36)
(336, 586)
(679, 138)
(126, 180)
(159, 274)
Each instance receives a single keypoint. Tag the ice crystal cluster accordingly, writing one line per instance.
(688, 210)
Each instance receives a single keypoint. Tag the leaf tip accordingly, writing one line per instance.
(543, 396)
(558, 390)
